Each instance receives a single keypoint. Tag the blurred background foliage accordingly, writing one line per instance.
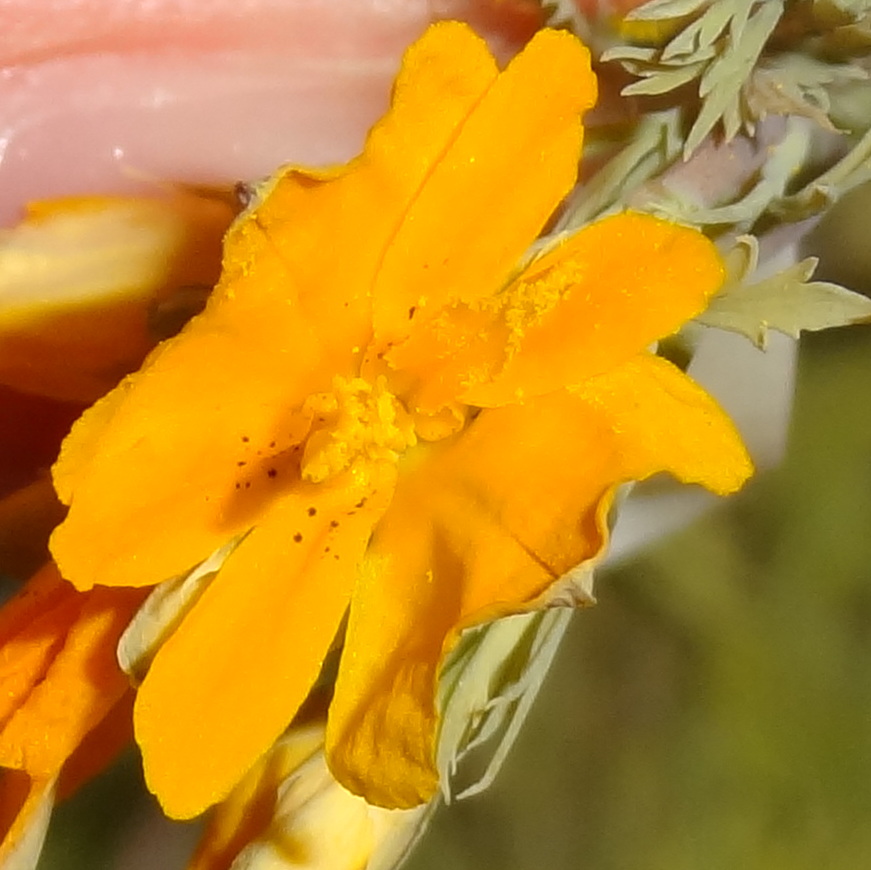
(713, 711)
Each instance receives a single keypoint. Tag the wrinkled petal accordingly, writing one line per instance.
(230, 679)
(599, 297)
(483, 527)
(489, 189)
(662, 420)
(626, 281)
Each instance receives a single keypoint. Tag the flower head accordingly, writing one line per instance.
(395, 411)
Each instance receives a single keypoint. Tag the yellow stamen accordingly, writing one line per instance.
(358, 420)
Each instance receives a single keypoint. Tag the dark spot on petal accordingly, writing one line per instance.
(411, 311)
(334, 524)
(361, 503)
(326, 549)
(241, 462)
(272, 444)
(336, 557)
(238, 486)
(245, 438)
(247, 484)
(272, 472)
(312, 511)
(298, 537)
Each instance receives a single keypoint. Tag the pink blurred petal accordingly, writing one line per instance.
(120, 95)
(36, 31)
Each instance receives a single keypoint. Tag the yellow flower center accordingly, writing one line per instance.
(357, 420)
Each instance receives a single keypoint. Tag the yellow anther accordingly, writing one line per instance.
(358, 420)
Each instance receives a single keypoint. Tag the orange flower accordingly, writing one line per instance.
(387, 412)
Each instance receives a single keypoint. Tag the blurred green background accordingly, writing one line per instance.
(713, 711)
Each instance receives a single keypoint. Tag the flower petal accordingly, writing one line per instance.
(26, 656)
(662, 420)
(42, 592)
(465, 230)
(599, 297)
(358, 209)
(233, 675)
(174, 462)
(633, 279)
(80, 685)
(482, 527)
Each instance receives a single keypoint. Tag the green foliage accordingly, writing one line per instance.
(486, 690)
(654, 145)
(748, 59)
(853, 169)
(718, 48)
(561, 14)
(796, 84)
(786, 301)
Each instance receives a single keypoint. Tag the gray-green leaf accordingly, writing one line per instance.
(787, 302)
(487, 688)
